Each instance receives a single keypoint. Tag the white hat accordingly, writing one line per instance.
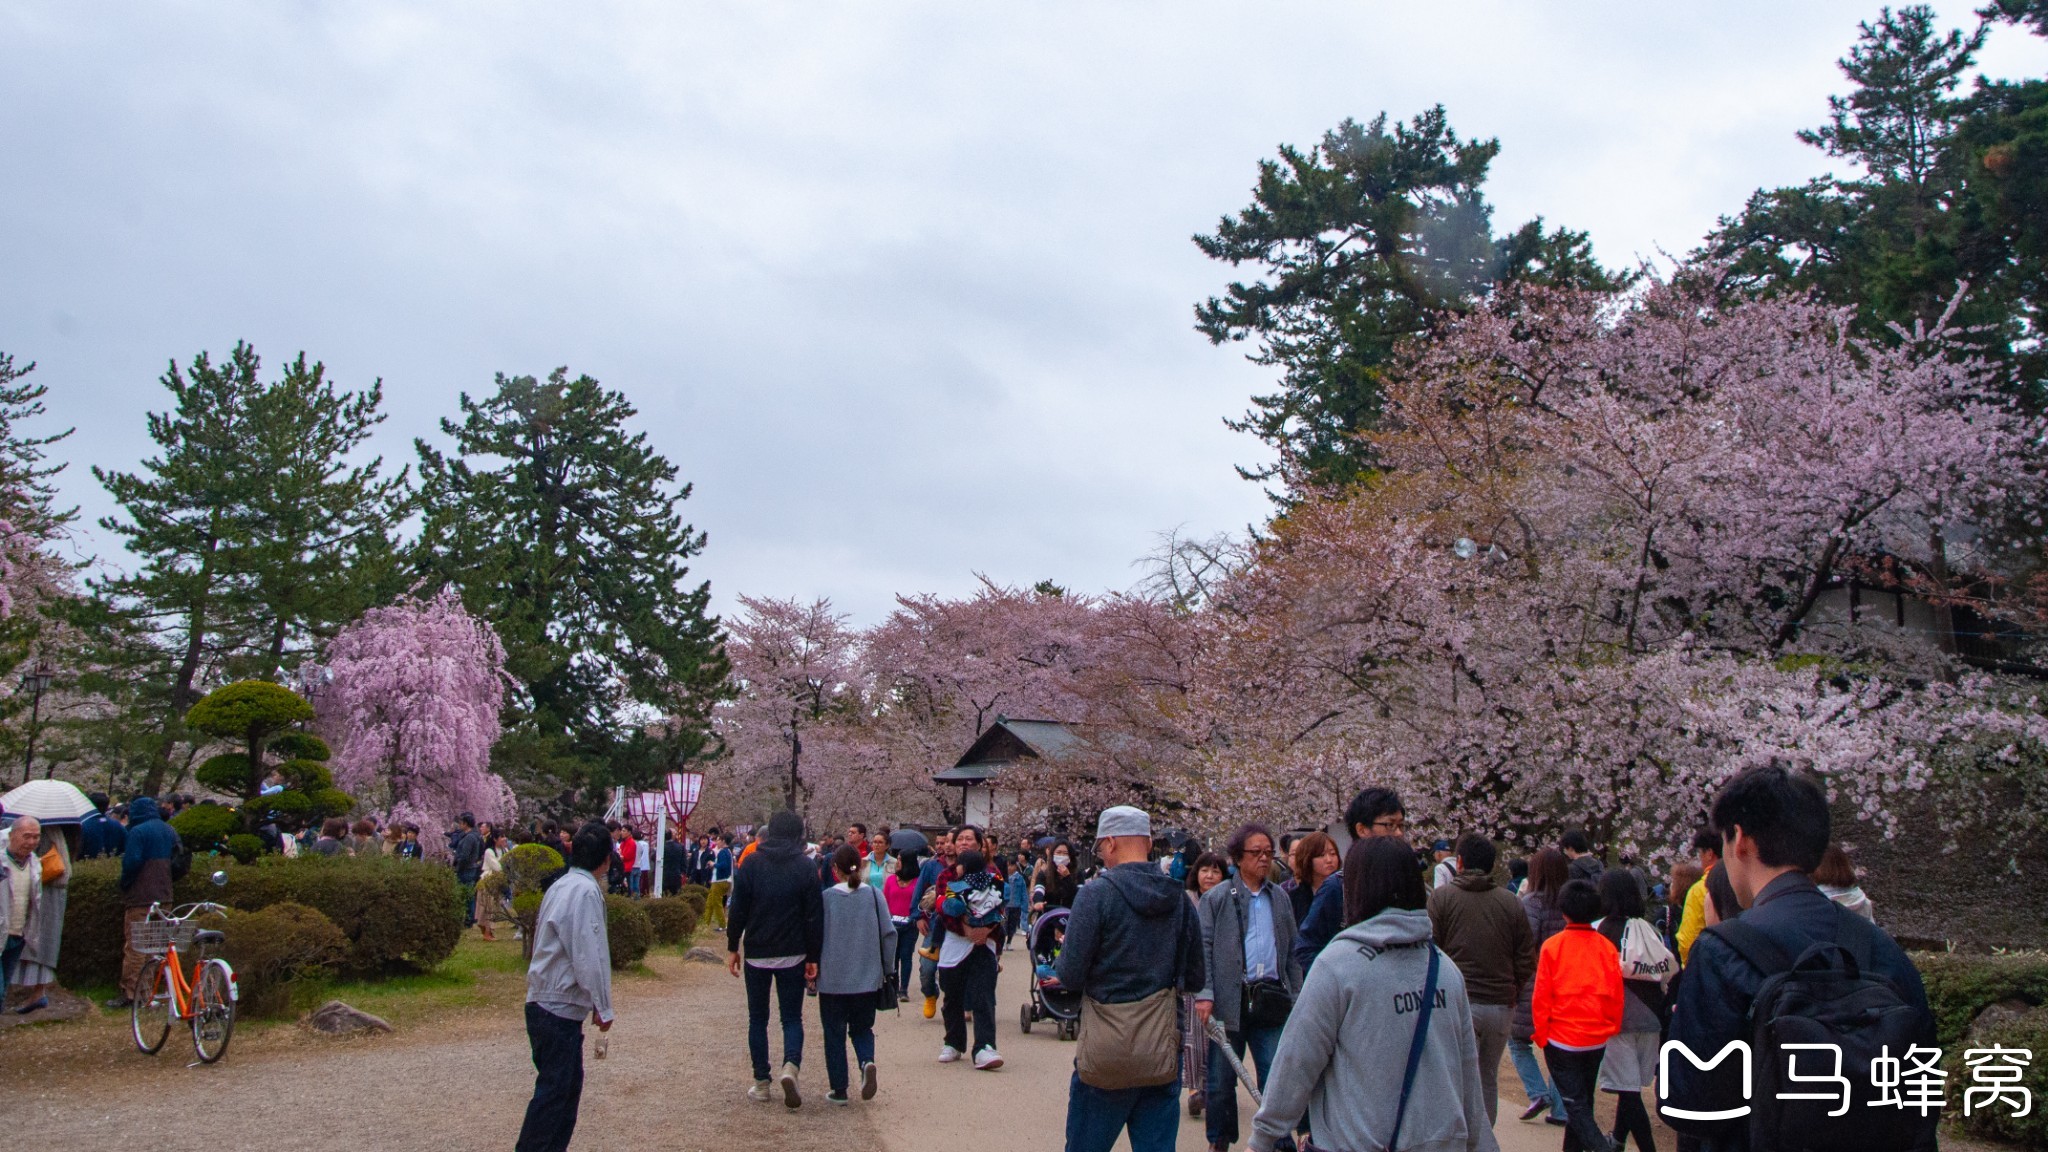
(1123, 820)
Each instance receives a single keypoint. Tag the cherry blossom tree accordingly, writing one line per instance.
(411, 706)
(797, 701)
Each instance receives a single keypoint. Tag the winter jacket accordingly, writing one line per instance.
(1587, 868)
(1345, 1049)
(572, 952)
(858, 933)
(1719, 988)
(1481, 926)
(468, 851)
(1121, 944)
(776, 907)
(1224, 914)
(1692, 919)
(1578, 998)
(1325, 917)
(146, 861)
(1545, 921)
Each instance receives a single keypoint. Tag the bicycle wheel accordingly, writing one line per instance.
(213, 1011)
(150, 1015)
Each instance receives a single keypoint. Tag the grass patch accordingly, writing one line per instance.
(480, 974)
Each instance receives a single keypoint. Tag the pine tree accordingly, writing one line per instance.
(1365, 241)
(562, 529)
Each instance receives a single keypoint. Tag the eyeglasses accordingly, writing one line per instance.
(1258, 854)
(1390, 823)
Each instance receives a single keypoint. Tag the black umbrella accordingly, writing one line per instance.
(908, 840)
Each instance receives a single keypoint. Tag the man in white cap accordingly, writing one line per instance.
(1132, 935)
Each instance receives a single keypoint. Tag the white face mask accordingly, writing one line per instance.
(1060, 861)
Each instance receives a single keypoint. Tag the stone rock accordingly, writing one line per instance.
(1997, 1016)
(704, 956)
(337, 1019)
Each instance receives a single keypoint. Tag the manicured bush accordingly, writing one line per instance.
(275, 947)
(1960, 986)
(203, 827)
(2029, 1033)
(630, 930)
(244, 846)
(674, 918)
(399, 915)
(529, 867)
(525, 912)
(696, 894)
(91, 952)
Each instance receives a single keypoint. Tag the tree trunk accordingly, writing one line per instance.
(182, 696)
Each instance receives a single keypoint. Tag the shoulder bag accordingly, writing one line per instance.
(887, 995)
(1134, 1045)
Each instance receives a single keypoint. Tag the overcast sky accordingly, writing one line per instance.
(904, 288)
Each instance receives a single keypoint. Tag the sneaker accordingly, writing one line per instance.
(759, 1092)
(790, 1096)
(1534, 1109)
(867, 1080)
(835, 1097)
(931, 1007)
(948, 1053)
(988, 1060)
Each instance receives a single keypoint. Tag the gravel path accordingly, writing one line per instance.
(675, 1081)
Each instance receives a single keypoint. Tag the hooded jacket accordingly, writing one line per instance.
(1345, 1049)
(146, 859)
(1579, 1000)
(777, 908)
(1121, 941)
(1481, 927)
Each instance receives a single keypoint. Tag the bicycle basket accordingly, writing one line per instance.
(155, 937)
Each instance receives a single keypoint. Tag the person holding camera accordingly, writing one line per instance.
(1248, 944)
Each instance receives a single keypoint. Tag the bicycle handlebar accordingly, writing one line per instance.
(187, 911)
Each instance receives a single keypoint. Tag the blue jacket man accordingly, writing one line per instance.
(1774, 828)
(147, 862)
(1373, 812)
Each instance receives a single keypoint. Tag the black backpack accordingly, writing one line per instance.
(1828, 994)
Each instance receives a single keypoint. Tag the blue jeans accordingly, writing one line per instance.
(846, 1016)
(906, 951)
(1219, 1103)
(557, 1081)
(1534, 1086)
(789, 1004)
(1096, 1116)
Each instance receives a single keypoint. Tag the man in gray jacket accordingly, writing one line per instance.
(570, 979)
(1248, 942)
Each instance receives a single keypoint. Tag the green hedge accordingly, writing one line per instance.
(696, 894)
(1960, 986)
(275, 947)
(2028, 1032)
(674, 917)
(630, 931)
(398, 915)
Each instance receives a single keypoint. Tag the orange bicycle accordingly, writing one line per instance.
(206, 1000)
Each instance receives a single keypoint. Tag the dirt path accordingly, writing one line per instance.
(675, 1080)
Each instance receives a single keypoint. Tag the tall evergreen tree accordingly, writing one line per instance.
(25, 470)
(1364, 241)
(562, 529)
(248, 527)
(1951, 192)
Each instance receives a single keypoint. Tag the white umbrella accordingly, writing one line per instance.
(51, 801)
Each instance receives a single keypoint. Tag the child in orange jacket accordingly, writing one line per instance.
(1576, 1009)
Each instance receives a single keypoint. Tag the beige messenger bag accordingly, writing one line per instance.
(1134, 1045)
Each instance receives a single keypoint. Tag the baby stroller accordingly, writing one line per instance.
(1055, 1003)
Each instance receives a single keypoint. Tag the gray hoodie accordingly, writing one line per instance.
(1346, 1047)
(858, 933)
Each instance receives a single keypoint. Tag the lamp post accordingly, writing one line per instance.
(36, 681)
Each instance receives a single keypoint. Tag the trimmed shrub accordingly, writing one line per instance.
(674, 919)
(1960, 986)
(277, 946)
(91, 952)
(204, 826)
(525, 911)
(697, 895)
(244, 846)
(630, 930)
(529, 867)
(398, 915)
(2027, 1032)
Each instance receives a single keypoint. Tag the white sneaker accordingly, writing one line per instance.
(988, 1060)
(759, 1092)
(948, 1054)
(867, 1080)
(790, 1096)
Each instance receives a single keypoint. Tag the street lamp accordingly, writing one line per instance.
(36, 680)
